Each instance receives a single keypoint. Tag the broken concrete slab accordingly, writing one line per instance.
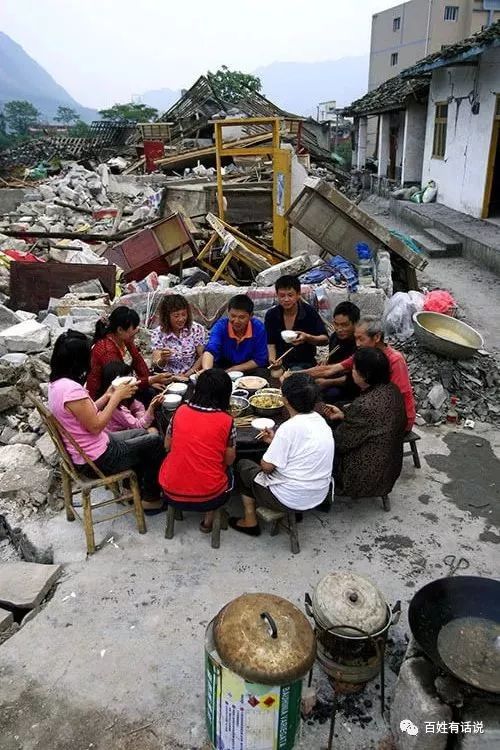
(8, 318)
(25, 585)
(415, 700)
(6, 619)
(18, 459)
(48, 450)
(9, 398)
(28, 336)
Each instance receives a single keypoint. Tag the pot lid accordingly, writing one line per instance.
(265, 639)
(350, 600)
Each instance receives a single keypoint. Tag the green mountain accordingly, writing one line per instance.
(21, 77)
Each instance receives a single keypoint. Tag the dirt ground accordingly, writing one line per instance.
(114, 660)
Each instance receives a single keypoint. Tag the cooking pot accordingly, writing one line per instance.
(456, 622)
(352, 622)
(258, 649)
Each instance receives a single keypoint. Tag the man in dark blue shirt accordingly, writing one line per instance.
(293, 314)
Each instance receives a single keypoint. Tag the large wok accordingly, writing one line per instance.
(447, 599)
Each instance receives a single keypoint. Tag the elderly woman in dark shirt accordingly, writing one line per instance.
(369, 435)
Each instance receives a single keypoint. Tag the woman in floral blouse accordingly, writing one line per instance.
(178, 342)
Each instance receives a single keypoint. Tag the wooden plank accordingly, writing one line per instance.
(333, 221)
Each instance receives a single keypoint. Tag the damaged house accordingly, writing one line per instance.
(440, 120)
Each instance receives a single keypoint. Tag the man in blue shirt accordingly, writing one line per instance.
(237, 342)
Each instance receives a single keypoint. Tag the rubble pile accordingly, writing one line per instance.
(79, 201)
(28, 458)
(475, 382)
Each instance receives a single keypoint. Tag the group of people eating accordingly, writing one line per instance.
(346, 418)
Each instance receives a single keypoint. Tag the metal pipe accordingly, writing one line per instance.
(429, 12)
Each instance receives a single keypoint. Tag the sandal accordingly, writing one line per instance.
(205, 529)
(154, 511)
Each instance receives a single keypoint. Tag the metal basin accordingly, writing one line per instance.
(446, 336)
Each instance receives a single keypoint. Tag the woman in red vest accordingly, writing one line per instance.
(201, 445)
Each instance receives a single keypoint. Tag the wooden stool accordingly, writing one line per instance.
(219, 522)
(73, 483)
(411, 438)
(386, 502)
(276, 518)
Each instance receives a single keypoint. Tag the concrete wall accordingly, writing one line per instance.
(414, 138)
(423, 31)
(461, 175)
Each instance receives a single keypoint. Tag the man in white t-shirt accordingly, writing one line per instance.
(296, 470)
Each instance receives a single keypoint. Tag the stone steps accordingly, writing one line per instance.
(431, 248)
(438, 244)
(453, 246)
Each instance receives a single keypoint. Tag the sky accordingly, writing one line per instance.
(107, 51)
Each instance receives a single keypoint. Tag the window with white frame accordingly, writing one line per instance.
(396, 23)
(394, 58)
(451, 12)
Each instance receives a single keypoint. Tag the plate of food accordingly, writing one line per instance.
(251, 383)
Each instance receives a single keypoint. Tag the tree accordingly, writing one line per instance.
(66, 115)
(79, 130)
(232, 85)
(20, 115)
(129, 112)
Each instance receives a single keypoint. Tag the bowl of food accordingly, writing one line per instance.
(238, 406)
(235, 375)
(171, 401)
(266, 405)
(446, 335)
(289, 336)
(124, 380)
(193, 378)
(179, 388)
(262, 423)
(251, 383)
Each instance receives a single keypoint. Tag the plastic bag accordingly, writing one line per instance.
(430, 192)
(398, 314)
(439, 301)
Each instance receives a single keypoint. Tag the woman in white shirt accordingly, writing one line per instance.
(296, 470)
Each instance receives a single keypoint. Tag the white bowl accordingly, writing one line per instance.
(123, 380)
(263, 423)
(171, 401)
(193, 378)
(235, 375)
(289, 336)
(179, 388)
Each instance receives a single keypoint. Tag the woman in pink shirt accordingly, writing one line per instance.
(86, 421)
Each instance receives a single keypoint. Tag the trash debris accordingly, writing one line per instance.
(70, 596)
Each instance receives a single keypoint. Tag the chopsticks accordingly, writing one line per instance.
(331, 352)
(278, 361)
(260, 435)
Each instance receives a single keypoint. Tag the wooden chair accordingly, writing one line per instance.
(219, 522)
(279, 519)
(72, 482)
(411, 438)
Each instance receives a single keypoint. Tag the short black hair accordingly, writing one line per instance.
(372, 365)
(70, 357)
(349, 309)
(115, 369)
(301, 392)
(213, 390)
(241, 302)
(288, 282)
(121, 317)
